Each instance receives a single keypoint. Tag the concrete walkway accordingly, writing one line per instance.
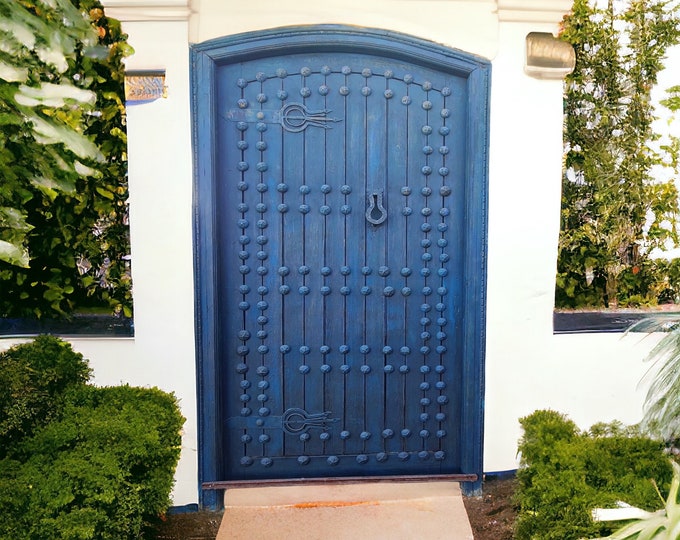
(363, 511)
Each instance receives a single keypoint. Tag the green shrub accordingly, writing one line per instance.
(33, 378)
(566, 473)
(101, 468)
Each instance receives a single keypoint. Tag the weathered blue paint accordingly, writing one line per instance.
(340, 221)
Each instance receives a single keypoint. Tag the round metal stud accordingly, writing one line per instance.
(303, 460)
(439, 455)
(325, 368)
(284, 289)
(304, 437)
(345, 368)
(387, 434)
(365, 435)
(266, 462)
(244, 398)
(246, 461)
(325, 70)
(345, 291)
(304, 369)
(263, 411)
(404, 369)
(325, 290)
(282, 95)
(343, 90)
(403, 456)
(344, 349)
(408, 78)
(262, 371)
(323, 90)
(344, 435)
(333, 460)
(246, 411)
(264, 438)
(425, 402)
(325, 210)
(345, 270)
(245, 439)
(324, 436)
(389, 93)
(365, 369)
(345, 209)
(283, 271)
(362, 459)
(423, 454)
(381, 457)
(389, 368)
(440, 417)
(406, 100)
(424, 434)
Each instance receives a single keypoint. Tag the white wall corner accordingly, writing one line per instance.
(148, 10)
(536, 11)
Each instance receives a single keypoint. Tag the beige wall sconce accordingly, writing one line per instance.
(147, 85)
(548, 57)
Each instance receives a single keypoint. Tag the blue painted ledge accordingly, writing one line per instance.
(584, 322)
(77, 326)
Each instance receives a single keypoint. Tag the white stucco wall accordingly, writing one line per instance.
(592, 377)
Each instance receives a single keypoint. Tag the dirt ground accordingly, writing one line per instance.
(491, 516)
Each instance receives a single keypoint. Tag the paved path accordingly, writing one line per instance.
(363, 511)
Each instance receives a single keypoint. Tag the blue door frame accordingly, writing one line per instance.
(208, 60)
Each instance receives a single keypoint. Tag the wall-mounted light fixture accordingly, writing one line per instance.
(147, 85)
(548, 57)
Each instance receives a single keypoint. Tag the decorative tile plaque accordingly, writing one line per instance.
(144, 85)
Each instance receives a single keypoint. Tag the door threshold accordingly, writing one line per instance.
(230, 484)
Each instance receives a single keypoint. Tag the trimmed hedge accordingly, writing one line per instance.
(566, 473)
(101, 468)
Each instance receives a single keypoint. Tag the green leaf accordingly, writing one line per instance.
(13, 254)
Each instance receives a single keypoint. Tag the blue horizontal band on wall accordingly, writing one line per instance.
(77, 326)
(583, 322)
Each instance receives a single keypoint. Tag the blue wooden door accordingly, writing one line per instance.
(342, 264)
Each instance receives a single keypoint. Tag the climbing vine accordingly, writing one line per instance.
(64, 242)
(615, 207)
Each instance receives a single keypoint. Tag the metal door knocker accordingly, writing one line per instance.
(376, 213)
